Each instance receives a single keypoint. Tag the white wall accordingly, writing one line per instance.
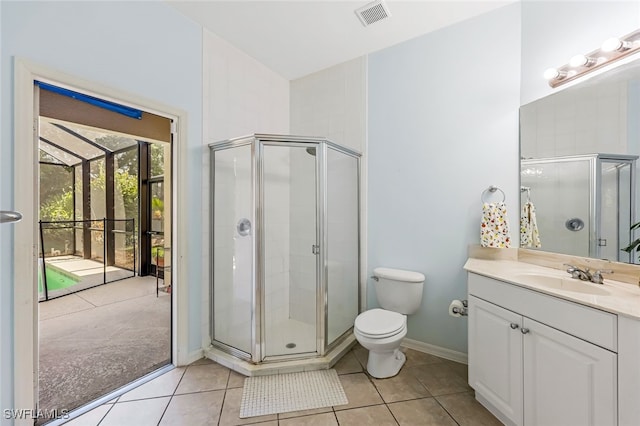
(442, 127)
(6, 236)
(143, 48)
(241, 96)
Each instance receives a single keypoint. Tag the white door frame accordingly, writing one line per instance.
(25, 309)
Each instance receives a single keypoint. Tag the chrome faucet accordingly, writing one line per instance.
(596, 277)
(577, 273)
(586, 275)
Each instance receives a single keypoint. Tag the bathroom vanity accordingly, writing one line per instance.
(546, 349)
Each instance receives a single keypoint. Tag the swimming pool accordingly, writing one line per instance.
(56, 280)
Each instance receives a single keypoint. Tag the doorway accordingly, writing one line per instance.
(26, 261)
(95, 339)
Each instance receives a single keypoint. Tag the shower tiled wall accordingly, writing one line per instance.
(302, 300)
(233, 253)
(330, 103)
(560, 191)
(277, 229)
(594, 124)
(240, 96)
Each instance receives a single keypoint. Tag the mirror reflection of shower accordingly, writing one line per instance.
(585, 203)
(285, 247)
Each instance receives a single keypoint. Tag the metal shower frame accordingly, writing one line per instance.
(257, 142)
(595, 190)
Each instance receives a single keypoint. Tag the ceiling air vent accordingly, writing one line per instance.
(373, 12)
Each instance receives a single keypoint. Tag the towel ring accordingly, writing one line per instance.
(491, 190)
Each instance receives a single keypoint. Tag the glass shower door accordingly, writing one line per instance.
(615, 210)
(561, 190)
(289, 248)
(343, 243)
(233, 235)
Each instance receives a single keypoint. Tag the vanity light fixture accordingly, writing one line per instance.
(611, 50)
(581, 61)
(615, 44)
(554, 73)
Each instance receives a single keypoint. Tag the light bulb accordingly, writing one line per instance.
(554, 74)
(581, 61)
(612, 44)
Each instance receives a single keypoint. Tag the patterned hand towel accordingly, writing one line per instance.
(494, 228)
(529, 235)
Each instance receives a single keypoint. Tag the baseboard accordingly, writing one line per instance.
(436, 350)
(194, 356)
(493, 410)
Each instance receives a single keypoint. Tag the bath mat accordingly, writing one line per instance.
(283, 393)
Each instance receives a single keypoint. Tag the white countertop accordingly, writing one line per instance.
(622, 298)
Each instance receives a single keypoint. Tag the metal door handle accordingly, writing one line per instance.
(524, 330)
(514, 325)
(9, 216)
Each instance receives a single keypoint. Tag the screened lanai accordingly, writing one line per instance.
(101, 207)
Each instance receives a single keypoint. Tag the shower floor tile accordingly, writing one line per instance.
(290, 336)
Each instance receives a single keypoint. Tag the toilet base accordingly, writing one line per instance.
(382, 365)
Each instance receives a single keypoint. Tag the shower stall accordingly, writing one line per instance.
(285, 247)
(585, 204)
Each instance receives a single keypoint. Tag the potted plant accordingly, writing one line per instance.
(157, 256)
(633, 245)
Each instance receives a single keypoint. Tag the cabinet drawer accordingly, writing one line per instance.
(586, 323)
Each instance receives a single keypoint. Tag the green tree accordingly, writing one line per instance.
(55, 180)
(157, 159)
(127, 185)
(56, 188)
(58, 207)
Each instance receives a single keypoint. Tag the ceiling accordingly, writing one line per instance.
(299, 37)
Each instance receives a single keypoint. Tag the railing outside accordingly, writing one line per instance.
(62, 249)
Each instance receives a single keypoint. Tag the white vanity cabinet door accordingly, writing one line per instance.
(495, 358)
(567, 381)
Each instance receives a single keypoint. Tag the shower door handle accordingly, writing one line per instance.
(315, 249)
(9, 216)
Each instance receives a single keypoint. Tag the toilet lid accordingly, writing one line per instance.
(380, 323)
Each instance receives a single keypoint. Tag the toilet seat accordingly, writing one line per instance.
(380, 323)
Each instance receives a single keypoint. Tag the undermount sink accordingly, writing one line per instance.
(564, 284)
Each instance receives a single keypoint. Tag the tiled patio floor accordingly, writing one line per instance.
(97, 340)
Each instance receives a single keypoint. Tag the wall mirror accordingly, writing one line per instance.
(579, 152)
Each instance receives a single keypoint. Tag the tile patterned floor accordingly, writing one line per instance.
(428, 391)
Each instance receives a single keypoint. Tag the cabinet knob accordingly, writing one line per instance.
(524, 330)
(514, 325)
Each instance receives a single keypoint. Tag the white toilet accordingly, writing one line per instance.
(382, 330)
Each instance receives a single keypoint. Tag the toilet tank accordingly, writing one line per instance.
(398, 290)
